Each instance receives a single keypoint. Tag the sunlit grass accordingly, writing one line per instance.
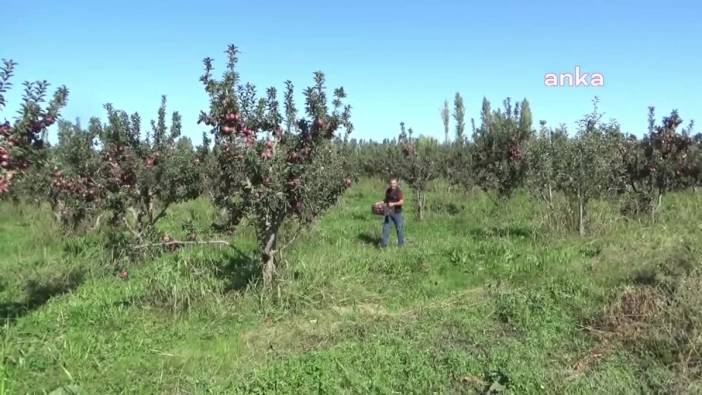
(481, 297)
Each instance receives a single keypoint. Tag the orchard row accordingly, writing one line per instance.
(266, 163)
(564, 170)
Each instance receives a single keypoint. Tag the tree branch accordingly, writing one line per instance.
(292, 239)
(136, 233)
(159, 215)
(182, 243)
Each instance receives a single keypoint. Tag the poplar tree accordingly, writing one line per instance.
(459, 115)
(445, 115)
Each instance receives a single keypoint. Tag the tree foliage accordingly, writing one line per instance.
(419, 164)
(459, 115)
(116, 169)
(268, 173)
(497, 154)
(662, 161)
(23, 142)
(445, 120)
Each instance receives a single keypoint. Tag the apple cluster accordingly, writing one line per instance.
(515, 153)
(119, 173)
(81, 188)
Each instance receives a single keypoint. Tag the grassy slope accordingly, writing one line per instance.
(477, 299)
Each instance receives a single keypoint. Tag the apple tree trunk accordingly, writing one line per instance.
(581, 214)
(268, 268)
(420, 198)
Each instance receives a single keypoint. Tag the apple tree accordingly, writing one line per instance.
(662, 161)
(588, 166)
(419, 165)
(144, 175)
(271, 167)
(544, 155)
(131, 176)
(497, 153)
(23, 142)
(76, 190)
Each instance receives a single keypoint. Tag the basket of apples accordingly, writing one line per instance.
(379, 208)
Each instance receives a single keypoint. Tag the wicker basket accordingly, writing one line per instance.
(380, 209)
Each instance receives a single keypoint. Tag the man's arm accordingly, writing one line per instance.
(399, 202)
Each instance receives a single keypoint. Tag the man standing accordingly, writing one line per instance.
(393, 201)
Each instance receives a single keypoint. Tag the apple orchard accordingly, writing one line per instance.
(274, 166)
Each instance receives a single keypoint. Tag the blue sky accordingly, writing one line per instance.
(398, 60)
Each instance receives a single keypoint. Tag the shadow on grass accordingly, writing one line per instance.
(239, 271)
(369, 239)
(446, 208)
(508, 231)
(40, 291)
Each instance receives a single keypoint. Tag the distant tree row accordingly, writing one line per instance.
(563, 170)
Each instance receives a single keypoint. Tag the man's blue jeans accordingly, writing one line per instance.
(393, 218)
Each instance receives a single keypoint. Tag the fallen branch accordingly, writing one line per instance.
(181, 243)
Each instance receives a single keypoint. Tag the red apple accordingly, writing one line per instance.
(5, 128)
(299, 206)
(319, 124)
(37, 126)
(232, 117)
(4, 185)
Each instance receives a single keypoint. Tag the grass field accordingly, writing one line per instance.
(480, 300)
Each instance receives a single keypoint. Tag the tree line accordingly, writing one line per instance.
(564, 170)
